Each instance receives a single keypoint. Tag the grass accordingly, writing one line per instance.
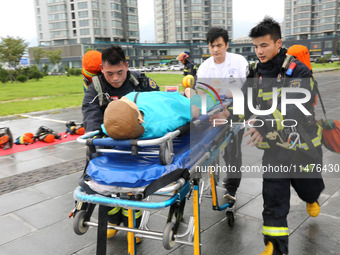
(54, 92)
(326, 65)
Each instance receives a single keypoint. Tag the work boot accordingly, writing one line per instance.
(313, 209)
(138, 240)
(111, 233)
(271, 250)
(229, 196)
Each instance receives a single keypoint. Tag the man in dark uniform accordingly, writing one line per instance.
(114, 82)
(189, 65)
(289, 146)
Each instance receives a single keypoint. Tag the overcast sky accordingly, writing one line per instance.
(17, 17)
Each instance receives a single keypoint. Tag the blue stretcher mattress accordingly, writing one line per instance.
(126, 170)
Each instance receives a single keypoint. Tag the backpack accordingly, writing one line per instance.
(331, 128)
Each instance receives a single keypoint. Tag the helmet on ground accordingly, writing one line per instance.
(182, 56)
(188, 81)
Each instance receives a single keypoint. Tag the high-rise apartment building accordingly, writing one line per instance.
(188, 21)
(64, 22)
(307, 19)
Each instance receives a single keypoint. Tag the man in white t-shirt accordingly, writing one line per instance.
(218, 70)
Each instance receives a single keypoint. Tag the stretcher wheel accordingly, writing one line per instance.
(230, 218)
(168, 236)
(165, 154)
(78, 223)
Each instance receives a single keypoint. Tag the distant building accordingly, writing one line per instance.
(308, 19)
(187, 21)
(243, 40)
(66, 22)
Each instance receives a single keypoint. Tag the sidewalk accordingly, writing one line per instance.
(34, 217)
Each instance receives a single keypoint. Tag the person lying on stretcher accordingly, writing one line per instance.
(147, 115)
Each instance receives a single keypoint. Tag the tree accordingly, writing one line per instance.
(11, 51)
(38, 54)
(54, 57)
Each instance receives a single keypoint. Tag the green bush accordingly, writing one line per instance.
(34, 73)
(74, 71)
(4, 75)
(21, 78)
(44, 69)
(321, 60)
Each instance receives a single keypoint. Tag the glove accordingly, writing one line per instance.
(26, 139)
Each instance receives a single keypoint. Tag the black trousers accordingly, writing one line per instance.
(233, 157)
(276, 197)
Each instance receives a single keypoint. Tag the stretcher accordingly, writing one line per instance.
(130, 173)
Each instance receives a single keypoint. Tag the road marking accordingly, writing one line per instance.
(42, 118)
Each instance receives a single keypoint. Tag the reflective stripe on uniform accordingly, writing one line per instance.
(264, 145)
(125, 213)
(268, 95)
(114, 211)
(316, 141)
(311, 83)
(275, 231)
(278, 118)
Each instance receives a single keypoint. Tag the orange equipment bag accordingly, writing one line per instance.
(331, 135)
(331, 128)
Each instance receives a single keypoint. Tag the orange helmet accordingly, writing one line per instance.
(301, 53)
(182, 56)
(91, 64)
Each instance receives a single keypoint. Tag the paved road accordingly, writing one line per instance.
(36, 189)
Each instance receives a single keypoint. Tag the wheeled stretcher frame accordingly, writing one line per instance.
(173, 195)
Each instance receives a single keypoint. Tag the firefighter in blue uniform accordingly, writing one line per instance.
(114, 82)
(284, 146)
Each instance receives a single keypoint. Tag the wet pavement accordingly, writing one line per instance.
(36, 197)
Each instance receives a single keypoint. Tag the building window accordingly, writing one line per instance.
(328, 44)
(83, 14)
(97, 31)
(95, 5)
(84, 31)
(115, 6)
(116, 23)
(56, 8)
(58, 25)
(58, 16)
(82, 5)
(84, 23)
(116, 15)
(96, 23)
(85, 40)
